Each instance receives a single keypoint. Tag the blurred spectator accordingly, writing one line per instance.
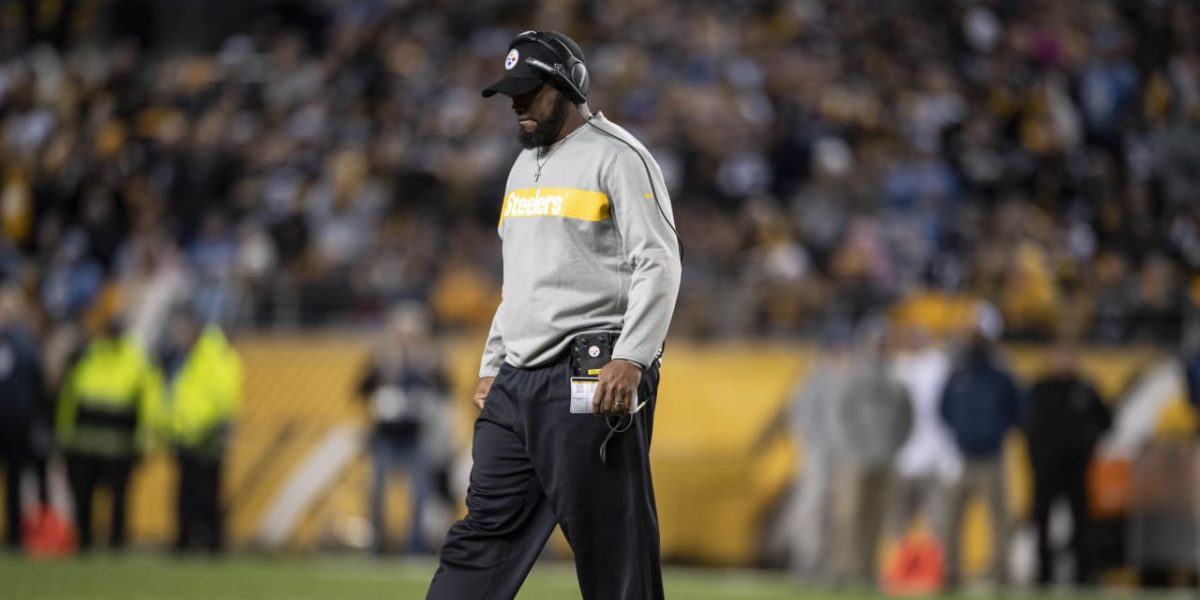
(874, 417)
(929, 462)
(1157, 303)
(981, 404)
(72, 279)
(1065, 420)
(405, 386)
(39, 28)
(108, 408)
(22, 407)
(814, 414)
(153, 280)
(203, 376)
(213, 253)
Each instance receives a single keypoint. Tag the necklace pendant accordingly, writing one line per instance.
(538, 175)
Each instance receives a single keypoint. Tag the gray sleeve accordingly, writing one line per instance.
(650, 249)
(493, 350)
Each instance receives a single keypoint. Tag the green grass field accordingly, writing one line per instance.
(138, 577)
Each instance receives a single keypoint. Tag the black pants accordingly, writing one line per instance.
(1054, 478)
(536, 464)
(86, 473)
(198, 507)
(15, 459)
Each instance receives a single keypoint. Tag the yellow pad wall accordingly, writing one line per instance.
(720, 456)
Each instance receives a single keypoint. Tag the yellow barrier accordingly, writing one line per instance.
(720, 457)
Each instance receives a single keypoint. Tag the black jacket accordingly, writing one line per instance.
(1066, 418)
(401, 398)
(23, 403)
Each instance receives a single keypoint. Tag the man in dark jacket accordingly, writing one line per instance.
(1066, 418)
(981, 404)
(21, 407)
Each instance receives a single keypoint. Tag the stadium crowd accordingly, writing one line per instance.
(825, 159)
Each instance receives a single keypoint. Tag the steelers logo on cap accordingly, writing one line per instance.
(510, 61)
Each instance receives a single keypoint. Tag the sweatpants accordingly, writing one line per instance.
(537, 465)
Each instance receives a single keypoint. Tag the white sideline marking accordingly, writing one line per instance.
(1138, 411)
(325, 461)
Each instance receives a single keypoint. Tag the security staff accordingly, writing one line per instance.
(204, 386)
(570, 371)
(107, 412)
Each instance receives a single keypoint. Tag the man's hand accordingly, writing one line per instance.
(481, 391)
(618, 383)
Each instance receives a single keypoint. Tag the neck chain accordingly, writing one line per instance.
(541, 162)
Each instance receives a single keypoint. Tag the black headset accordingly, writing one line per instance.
(571, 73)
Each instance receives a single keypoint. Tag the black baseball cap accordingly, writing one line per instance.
(520, 78)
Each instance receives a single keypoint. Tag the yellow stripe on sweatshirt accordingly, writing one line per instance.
(568, 203)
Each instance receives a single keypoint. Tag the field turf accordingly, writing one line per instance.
(146, 577)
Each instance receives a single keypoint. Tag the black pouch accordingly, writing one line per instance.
(590, 351)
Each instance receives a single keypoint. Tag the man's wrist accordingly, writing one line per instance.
(631, 361)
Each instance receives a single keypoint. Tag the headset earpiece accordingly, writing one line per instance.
(579, 77)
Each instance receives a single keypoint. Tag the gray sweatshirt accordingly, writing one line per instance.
(875, 414)
(584, 248)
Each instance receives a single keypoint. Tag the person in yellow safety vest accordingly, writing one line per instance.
(204, 384)
(108, 407)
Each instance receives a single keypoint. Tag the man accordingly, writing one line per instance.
(204, 375)
(1066, 419)
(591, 273)
(405, 386)
(815, 424)
(107, 410)
(981, 404)
(21, 407)
(874, 418)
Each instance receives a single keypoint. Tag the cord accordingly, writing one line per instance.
(649, 176)
(624, 422)
(621, 427)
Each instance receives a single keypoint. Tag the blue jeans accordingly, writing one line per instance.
(390, 454)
